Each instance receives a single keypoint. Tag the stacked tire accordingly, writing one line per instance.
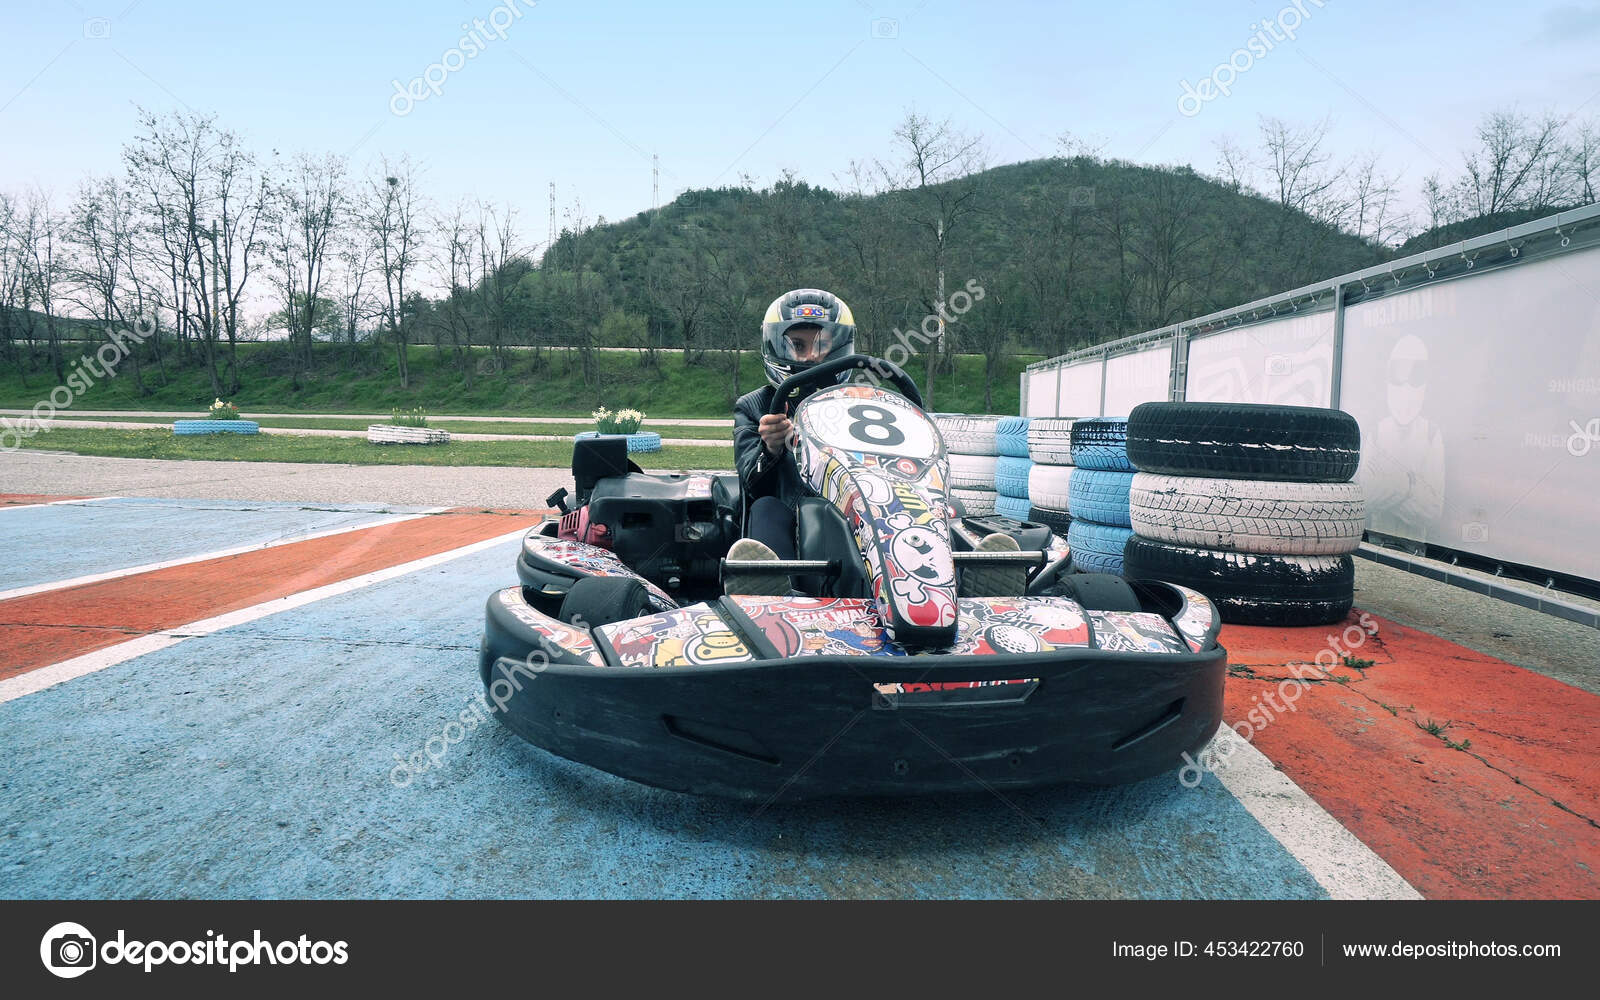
(1050, 476)
(972, 444)
(1012, 467)
(1252, 505)
(1097, 494)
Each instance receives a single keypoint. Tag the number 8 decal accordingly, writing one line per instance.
(875, 425)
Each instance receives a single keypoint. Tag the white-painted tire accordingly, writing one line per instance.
(391, 434)
(972, 472)
(978, 503)
(970, 435)
(1047, 485)
(1249, 515)
(1050, 440)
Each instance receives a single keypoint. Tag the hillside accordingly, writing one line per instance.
(1073, 252)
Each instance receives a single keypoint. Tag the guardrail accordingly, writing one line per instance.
(1473, 369)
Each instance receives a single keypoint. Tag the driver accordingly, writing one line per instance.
(801, 329)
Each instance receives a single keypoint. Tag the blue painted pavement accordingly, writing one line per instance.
(257, 761)
(60, 542)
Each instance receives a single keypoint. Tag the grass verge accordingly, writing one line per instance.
(162, 443)
(365, 380)
(709, 434)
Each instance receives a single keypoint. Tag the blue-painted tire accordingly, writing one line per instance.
(1012, 436)
(643, 441)
(1101, 443)
(215, 427)
(1100, 496)
(1012, 507)
(1011, 476)
(1097, 548)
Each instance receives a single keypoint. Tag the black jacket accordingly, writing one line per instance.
(760, 473)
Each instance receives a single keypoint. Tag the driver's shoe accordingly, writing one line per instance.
(999, 580)
(754, 583)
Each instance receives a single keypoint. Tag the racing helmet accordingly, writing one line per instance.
(805, 307)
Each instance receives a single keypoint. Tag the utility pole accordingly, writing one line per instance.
(552, 244)
(655, 174)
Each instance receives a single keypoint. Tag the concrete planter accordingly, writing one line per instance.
(215, 427)
(390, 434)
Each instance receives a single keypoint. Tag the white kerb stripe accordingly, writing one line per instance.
(53, 503)
(78, 666)
(1335, 857)
(79, 581)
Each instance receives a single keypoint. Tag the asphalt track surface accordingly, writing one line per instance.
(246, 698)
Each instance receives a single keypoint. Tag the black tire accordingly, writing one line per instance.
(1057, 520)
(1245, 441)
(1251, 589)
(605, 600)
(1098, 591)
(1101, 443)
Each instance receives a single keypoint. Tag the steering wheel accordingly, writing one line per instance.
(829, 371)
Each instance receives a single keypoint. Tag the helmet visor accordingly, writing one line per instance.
(802, 342)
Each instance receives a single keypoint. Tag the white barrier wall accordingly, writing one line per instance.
(1479, 404)
(1080, 390)
(1039, 394)
(1287, 361)
(1140, 377)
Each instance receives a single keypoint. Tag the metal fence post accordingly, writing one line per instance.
(1105, 358)
(1338, 346)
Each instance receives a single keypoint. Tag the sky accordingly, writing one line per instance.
(583, 93)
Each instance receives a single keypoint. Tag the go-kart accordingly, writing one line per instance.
(628, 647)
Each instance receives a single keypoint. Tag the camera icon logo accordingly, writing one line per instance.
(97, 27)
(1080, 197)
(1475, 531)
(68, 950)
(1278, 364)
(885, 27)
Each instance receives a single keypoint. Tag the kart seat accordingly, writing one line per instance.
(821, 533)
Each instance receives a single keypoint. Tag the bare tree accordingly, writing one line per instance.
(355, 260)
(937, 194)
(874, 261)
(502, 261)
(46, 269)
(1517, 164)
(206, 202)
(393, 223)
(1302, 174)
(307, 208)
(106, 284)
(1371, 197)
(680, 283)
(456, 234)
(1173, 245)
(1584, 158)
(13, 282)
